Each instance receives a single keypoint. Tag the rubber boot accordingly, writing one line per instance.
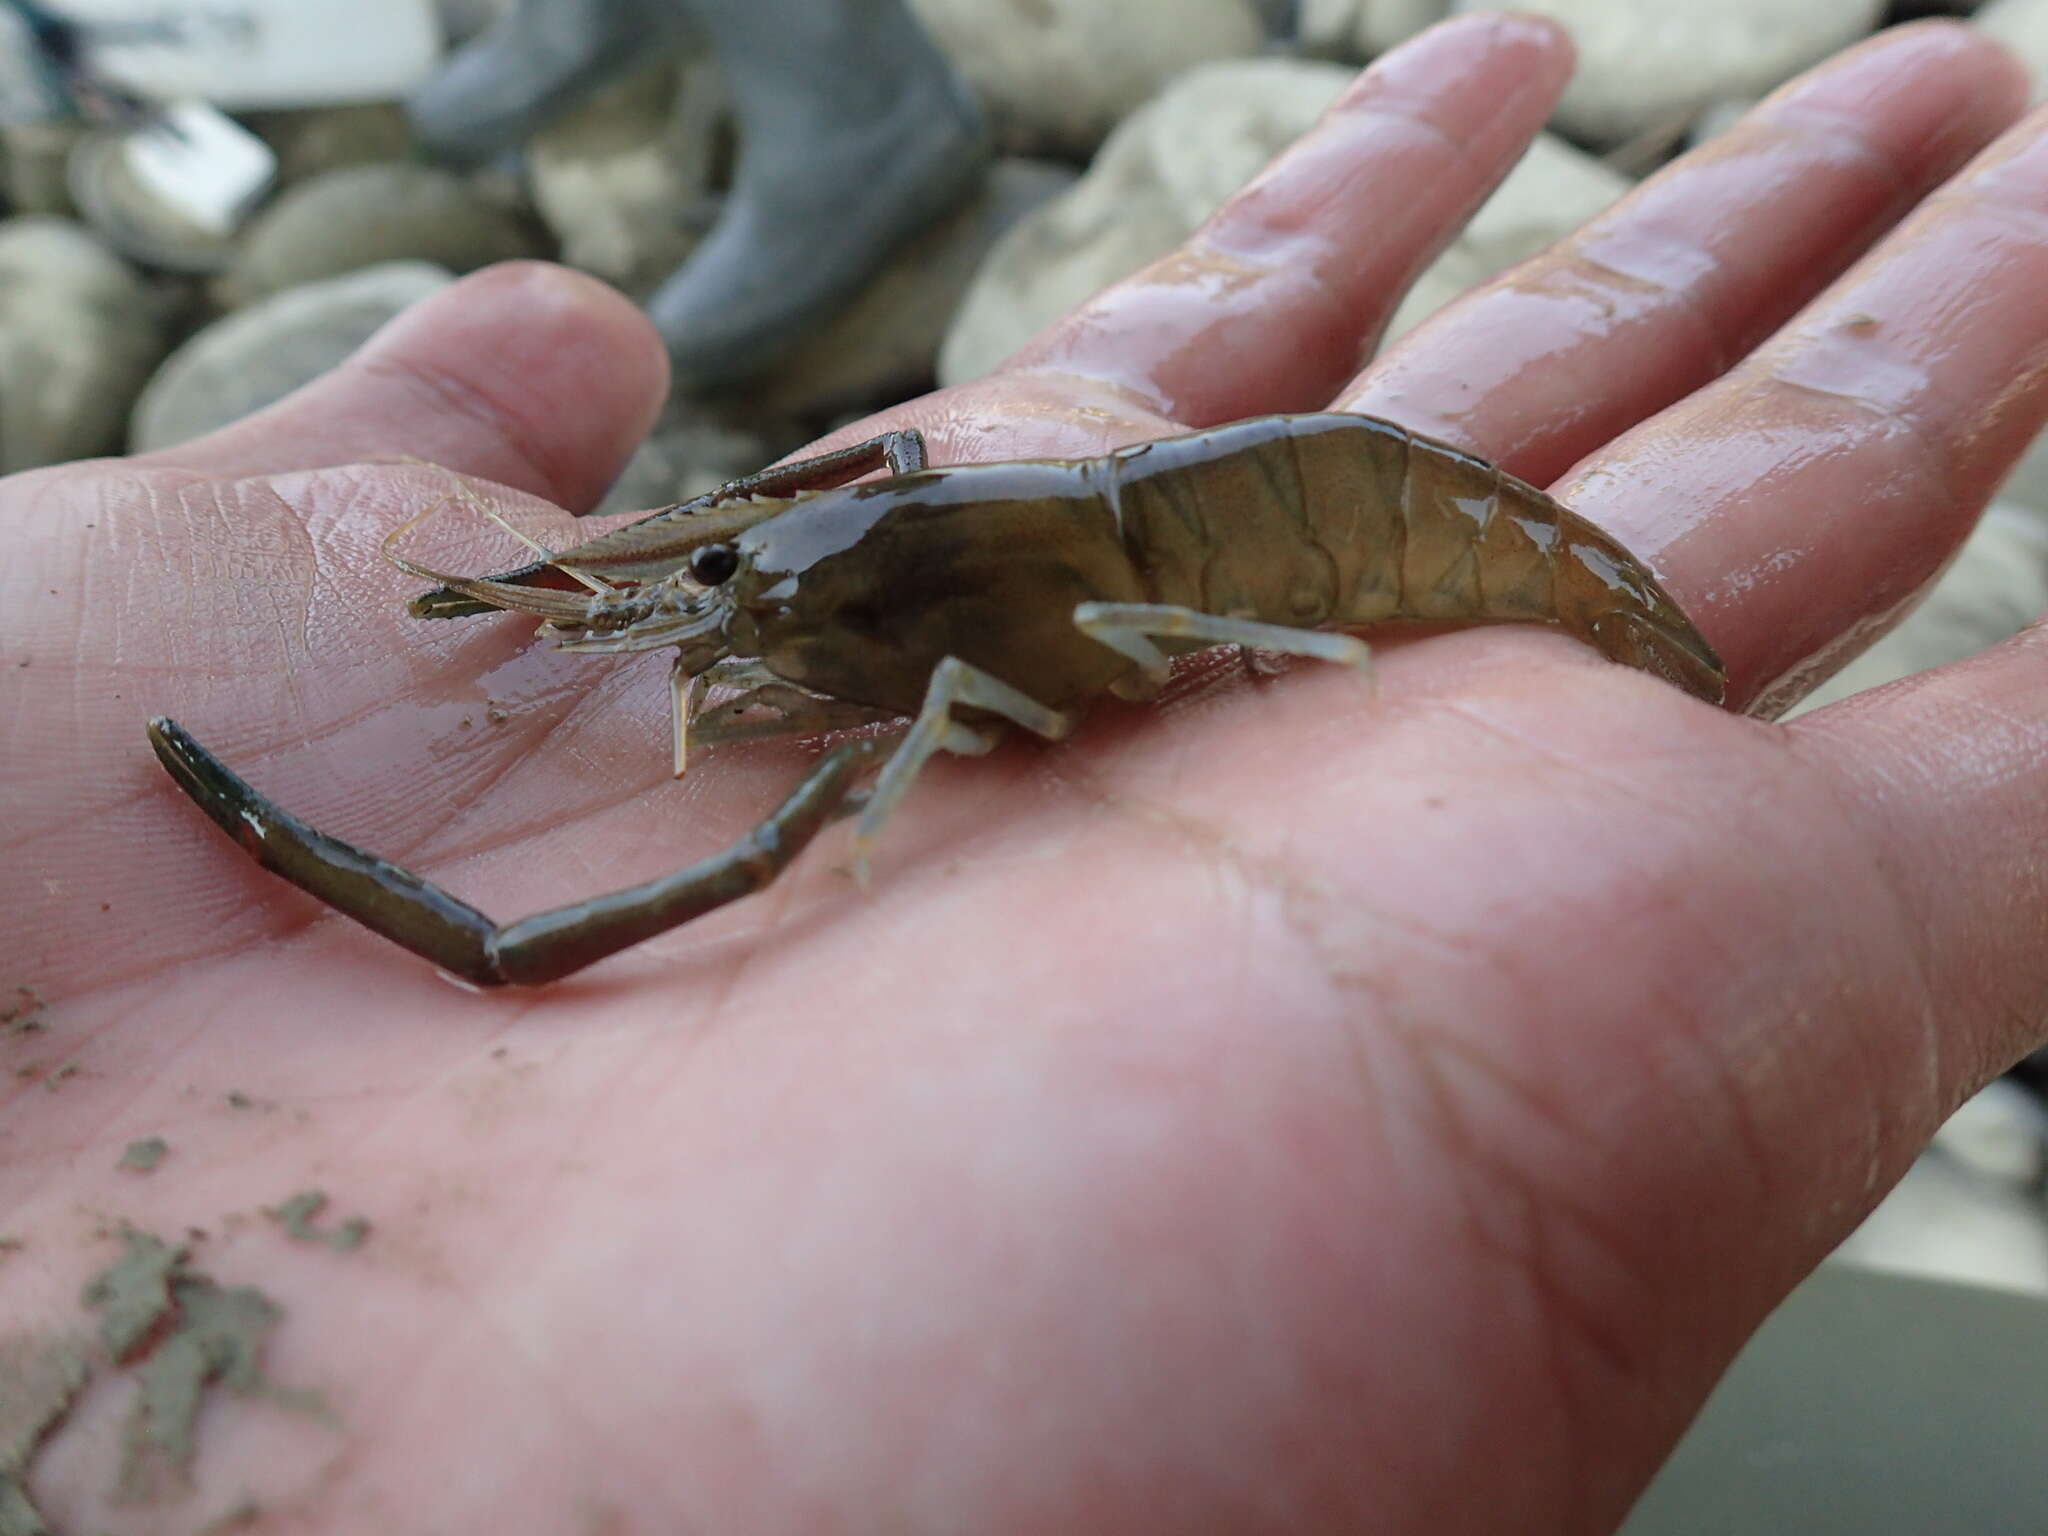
(540, 57)
(854, 133)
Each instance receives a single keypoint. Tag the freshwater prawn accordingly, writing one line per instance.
(976, 597)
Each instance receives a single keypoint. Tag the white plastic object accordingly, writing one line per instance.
(202, 163)
(247, 54)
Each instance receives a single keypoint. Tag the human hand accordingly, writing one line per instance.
(1256, 1113)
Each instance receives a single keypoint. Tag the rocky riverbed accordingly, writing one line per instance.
(1123, 123)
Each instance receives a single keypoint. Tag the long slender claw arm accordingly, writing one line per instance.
(418, 915)
(376, 893)
(901, 452)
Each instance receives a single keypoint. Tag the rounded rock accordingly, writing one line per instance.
(367, 214)
(1056, 75)
(618, 177)
(1643, 63)
(1364, 29)
(2022, 25)
(262, 353)
(313, 142)
(1165, 169)
(79, 332)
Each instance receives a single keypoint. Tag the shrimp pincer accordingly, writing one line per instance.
(976, 597)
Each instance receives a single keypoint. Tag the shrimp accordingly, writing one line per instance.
(971, 598)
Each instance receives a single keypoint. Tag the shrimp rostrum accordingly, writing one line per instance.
(973, 598)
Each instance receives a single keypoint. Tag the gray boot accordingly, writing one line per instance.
(541, 56)
(854, 134)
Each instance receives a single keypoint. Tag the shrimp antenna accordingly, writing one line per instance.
(477, 504)
(596, 584)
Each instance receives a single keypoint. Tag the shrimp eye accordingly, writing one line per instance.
(713, 563)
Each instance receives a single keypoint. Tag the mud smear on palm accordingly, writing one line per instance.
(42, 1374)
(182, 1333)
(142, 1156)
(297, 1215)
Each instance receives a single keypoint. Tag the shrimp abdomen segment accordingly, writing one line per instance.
(1420, 530)
(1229, 522)
(1333, 520)
(1480, 544)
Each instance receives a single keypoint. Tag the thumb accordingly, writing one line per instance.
(527, 374)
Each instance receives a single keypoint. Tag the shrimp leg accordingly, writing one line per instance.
(795, 711)
(901, 452)
(425, 919)
(686, 695)
(955, 684)
(1129, 629)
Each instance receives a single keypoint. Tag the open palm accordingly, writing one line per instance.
(1258, 1113)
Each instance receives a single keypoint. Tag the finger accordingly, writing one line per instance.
(527, 374)
(1662, 292)
(1945, 779)
(1271, 303)
(1801, 502)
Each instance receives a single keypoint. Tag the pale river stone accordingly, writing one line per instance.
(1056, 75)
(1643, 61)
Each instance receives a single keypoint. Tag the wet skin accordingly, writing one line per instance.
(1254, 1113)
